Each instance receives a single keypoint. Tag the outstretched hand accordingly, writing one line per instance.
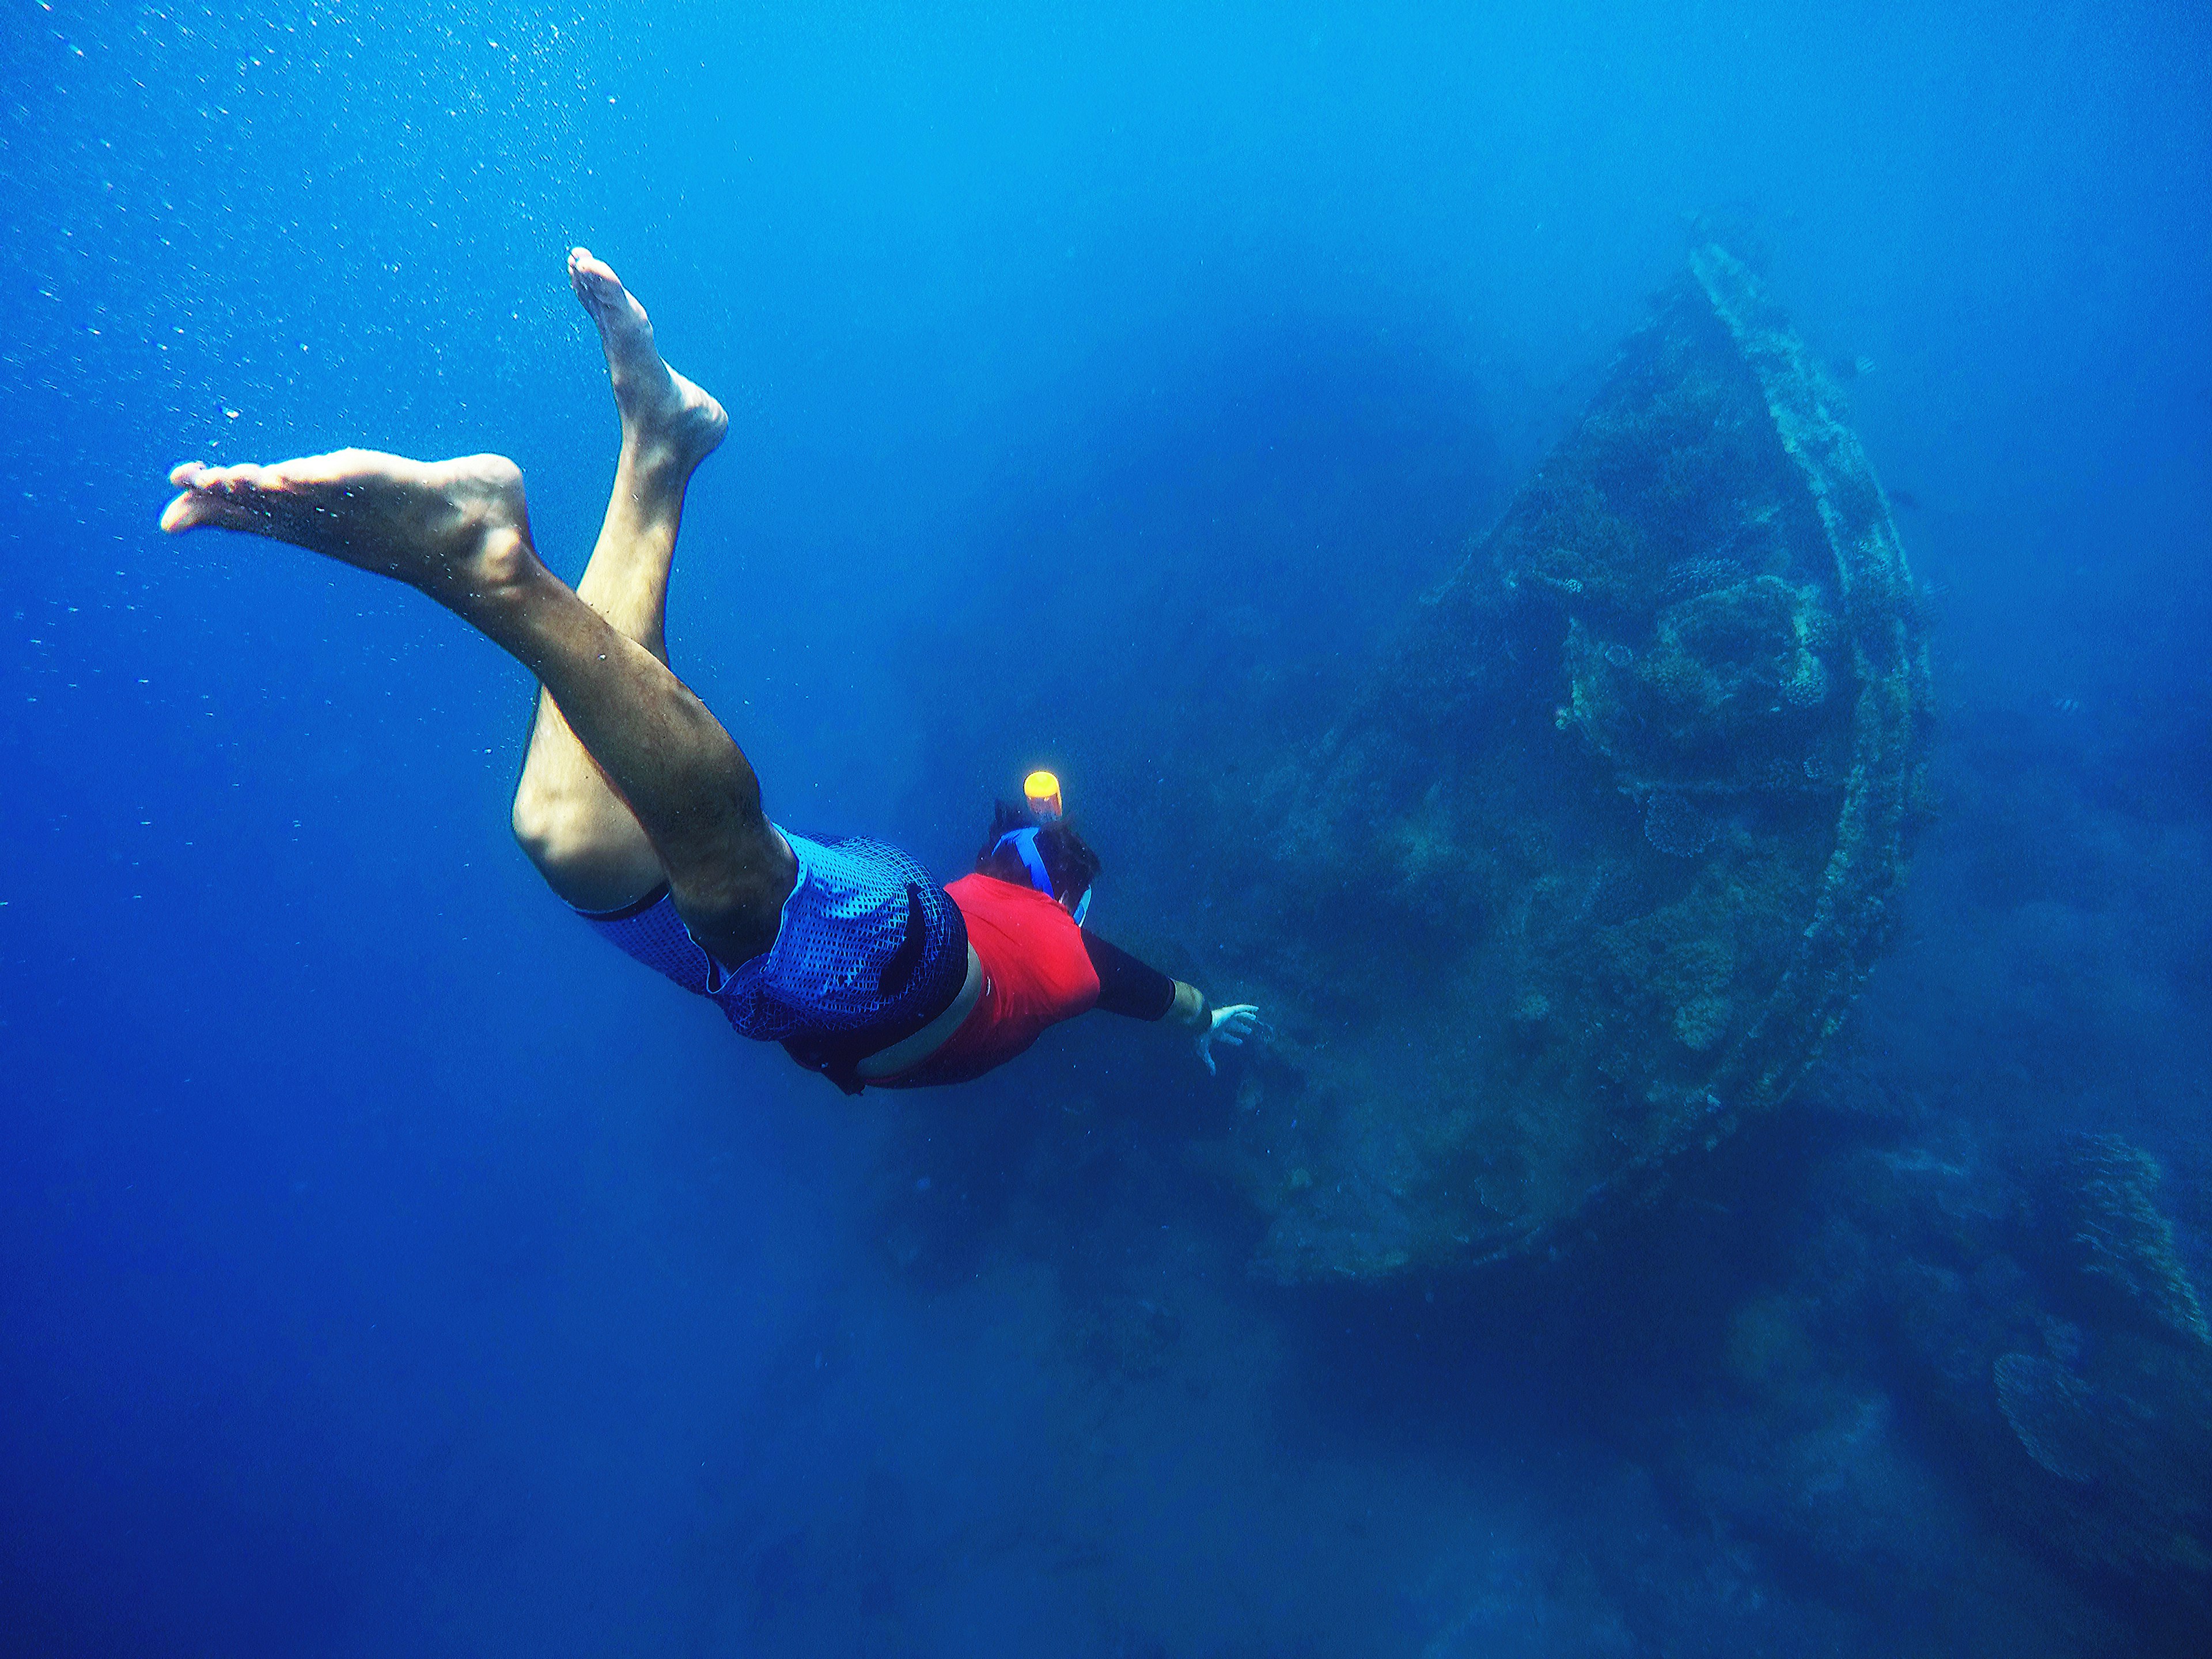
(1231, 1025)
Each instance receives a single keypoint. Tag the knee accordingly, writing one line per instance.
(544, 829)
(580, 861)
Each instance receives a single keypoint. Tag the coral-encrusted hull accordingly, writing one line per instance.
(1604, 849)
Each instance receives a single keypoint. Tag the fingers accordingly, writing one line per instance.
(1236, 1023)
(1231, 1025)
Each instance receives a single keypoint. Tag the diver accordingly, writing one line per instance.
(645, 816)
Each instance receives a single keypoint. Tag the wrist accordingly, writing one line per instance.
(1190, 1009)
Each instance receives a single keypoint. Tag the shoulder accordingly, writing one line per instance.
(994, 894)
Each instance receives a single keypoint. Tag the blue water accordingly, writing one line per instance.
(386, 1266)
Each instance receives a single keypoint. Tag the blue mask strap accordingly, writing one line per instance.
(1024, 842)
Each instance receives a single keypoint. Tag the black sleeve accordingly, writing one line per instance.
(1126, 985)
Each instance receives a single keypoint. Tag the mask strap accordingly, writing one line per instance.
(1024, 842)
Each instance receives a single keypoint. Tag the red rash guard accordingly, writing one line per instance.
(1036, 972)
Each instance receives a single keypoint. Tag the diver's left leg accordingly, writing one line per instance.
(459, 530)
(575, 828)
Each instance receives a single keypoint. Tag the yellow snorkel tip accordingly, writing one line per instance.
(1041, 789)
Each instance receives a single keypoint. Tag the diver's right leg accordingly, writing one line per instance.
(576, 829)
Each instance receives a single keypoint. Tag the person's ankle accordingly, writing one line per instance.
(499, 572)
(658, 462)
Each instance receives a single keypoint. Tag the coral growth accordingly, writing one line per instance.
(2121, 1240)
(2052, 1412)
(1676, 826)
(2089, 1417)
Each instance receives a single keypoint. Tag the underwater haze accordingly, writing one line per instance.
(387, 1266)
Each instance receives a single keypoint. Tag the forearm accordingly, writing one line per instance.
(1127, 987)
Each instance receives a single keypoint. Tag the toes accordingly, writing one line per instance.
(183, 514)
(594, 279)
(242, 497)
(197, 509)
(613, 307)
(198, 475)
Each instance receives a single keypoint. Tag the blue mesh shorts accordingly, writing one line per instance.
(870, 950)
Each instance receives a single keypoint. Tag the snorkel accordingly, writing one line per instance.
(1041, 790)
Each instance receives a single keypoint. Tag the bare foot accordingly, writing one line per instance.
(663, 414)
(454, 529)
